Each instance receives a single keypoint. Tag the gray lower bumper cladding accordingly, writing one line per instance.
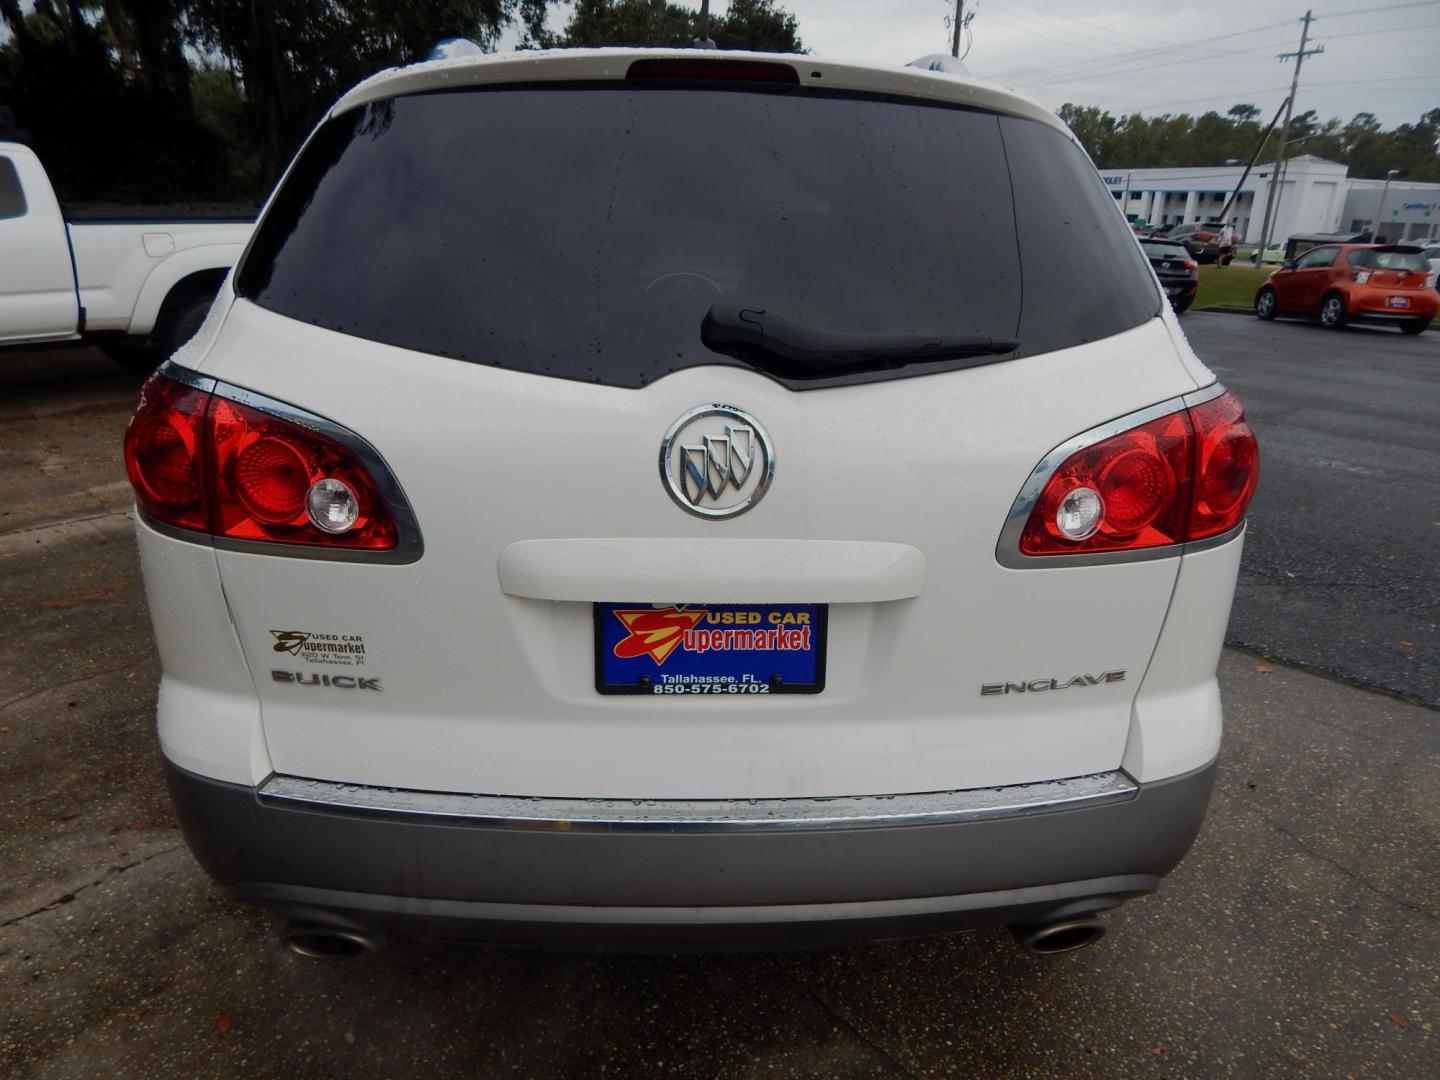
(780, 873)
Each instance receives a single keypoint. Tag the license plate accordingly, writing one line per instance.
(1397, 301)
(727, 649)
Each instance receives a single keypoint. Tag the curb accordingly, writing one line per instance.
(1231, 309)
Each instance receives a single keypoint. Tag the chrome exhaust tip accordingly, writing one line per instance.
(327, 942)
(1064, 935)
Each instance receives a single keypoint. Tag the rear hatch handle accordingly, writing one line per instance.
(711, 571)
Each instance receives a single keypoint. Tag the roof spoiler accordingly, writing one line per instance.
(941, 62)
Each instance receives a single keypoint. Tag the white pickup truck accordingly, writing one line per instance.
(136, 281)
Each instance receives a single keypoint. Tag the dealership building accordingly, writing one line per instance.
(1316, 196)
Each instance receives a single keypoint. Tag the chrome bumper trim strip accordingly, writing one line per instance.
(703, 815)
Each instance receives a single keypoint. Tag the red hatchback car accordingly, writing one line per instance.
(1339, 283)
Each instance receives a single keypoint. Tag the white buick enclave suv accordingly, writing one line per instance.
(913, 629)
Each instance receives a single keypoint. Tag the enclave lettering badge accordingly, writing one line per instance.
(1035, 686)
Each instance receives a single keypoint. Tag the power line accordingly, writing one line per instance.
(1391, 29)
(1236, 95)
(1050, 16)
(1105, 66)
(1067, 40)
(1233, 95)
(1143, 52)
(1371, 11)
(1027, 83)
(1143, 67)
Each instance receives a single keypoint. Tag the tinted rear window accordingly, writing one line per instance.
(585, 232)
(1165, 251)
(1396, 260)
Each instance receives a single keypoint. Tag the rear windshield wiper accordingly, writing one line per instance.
(789, 350)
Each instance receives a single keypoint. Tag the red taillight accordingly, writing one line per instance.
(204, 462)
(1227, 465)
(164, 453)
(1191, 264)
(1184, 476)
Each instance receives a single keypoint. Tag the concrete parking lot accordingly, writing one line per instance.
(1301, 937)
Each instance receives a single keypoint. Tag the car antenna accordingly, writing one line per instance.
(703, 40)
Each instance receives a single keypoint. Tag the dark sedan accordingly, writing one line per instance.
(1204, 241)
(1177, 270)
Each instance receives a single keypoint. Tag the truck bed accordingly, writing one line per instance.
(187, 213)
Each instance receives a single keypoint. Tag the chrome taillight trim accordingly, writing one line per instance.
(703, 815)
(409, 543)
(1007, 548)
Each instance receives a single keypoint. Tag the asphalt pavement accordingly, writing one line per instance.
(1301, 937)
(1342, 550)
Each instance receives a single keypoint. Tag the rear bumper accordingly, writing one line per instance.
(1371, 306)
(653, 880)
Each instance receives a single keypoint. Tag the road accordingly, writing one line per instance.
(1301, 937)
(1342, 551)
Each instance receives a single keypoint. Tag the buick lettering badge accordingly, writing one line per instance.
(716, 461)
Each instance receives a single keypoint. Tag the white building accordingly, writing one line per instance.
(1411, 210)
(1316, 196)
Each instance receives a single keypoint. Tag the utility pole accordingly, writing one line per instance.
(703, 39)
(1272, 200)
(1380, 210)
(1230, 202)
(959, 25)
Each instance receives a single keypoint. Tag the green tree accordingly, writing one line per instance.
(104, 92)
(295, 57)
(628, 22)
(1096, 130)
(758, 25)
(1362, 145)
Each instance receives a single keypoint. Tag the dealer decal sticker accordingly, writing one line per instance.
(343, 650)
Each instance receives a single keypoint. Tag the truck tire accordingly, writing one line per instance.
(148, 353)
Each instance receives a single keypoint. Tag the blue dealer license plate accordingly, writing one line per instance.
(732, 649)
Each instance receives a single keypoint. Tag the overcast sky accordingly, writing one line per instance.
(1381, 56)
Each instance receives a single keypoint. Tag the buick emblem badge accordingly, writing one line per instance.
(716, 461)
